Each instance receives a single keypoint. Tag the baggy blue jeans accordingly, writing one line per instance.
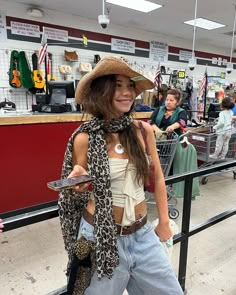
(144, 267)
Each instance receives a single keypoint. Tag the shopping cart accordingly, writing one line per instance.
(204, 141)
(166, 147)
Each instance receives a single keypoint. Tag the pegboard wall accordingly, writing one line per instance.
(24, 99)
(21, 96)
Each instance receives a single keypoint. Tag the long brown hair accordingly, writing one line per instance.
(98, 102)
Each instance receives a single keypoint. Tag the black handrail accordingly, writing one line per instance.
(22, 217)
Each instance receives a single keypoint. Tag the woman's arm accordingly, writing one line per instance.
(182, 121)
(163, 229)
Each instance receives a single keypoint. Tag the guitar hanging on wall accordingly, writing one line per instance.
(39, 81)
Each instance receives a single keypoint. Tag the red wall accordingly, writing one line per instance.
(30, 156)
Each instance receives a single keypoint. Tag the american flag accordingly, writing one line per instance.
(43, 49)
(158, 78)
(203, 85)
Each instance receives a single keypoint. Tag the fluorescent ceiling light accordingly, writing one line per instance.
(140, 5)
(205, 24)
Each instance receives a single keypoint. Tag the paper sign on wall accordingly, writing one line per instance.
(185, 55)
(158, 51)
(24, 29)
(56, 34)
(122, 45)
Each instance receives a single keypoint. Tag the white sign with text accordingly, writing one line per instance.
(24, 29)
(122, 45)
(158, 51)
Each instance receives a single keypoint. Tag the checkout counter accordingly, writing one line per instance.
(32, 151)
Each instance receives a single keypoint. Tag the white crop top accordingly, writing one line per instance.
(126, 191)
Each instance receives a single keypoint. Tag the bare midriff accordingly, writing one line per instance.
(140, 210)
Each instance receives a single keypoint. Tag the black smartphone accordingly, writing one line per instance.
(58, 185)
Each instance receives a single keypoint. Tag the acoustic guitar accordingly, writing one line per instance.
(15, 82)
(39, 82)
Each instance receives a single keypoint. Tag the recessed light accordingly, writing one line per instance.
(140, 5)
(204, 24)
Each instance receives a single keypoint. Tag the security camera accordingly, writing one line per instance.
(192, 63)
(103, 20)
(229, 68)
(191, 67)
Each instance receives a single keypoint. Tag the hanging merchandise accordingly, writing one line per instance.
(14, 73)
(38, 75)
(71, 55)
(85, 67)
(25, 70)
(185, 161)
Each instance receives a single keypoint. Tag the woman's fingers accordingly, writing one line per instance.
(77, 171)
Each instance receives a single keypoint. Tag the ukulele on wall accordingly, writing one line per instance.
(15, 82)
(39, 82)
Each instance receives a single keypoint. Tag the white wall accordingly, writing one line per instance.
(53, 17)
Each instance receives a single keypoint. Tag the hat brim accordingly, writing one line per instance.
(112, 66)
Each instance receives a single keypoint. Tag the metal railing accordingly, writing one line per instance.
(23, 217)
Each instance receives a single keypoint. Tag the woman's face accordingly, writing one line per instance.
(124, 95)
(171, 103)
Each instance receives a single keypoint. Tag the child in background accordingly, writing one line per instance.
(223, 129)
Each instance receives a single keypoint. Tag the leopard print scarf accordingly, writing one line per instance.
(71, 203)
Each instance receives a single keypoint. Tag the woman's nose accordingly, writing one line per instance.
(126, 90)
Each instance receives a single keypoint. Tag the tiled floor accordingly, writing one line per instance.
(33, 260)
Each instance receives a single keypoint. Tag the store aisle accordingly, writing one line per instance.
(33, 260)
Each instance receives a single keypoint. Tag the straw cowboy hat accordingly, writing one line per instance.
(112, 65)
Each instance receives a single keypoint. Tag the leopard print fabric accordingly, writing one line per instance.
(71, 203)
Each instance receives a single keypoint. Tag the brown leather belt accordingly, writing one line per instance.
(122, 230)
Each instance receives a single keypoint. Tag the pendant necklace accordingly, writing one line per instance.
(119, 149)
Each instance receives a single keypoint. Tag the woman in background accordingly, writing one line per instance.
(170, 117)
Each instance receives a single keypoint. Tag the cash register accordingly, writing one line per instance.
(55, 98)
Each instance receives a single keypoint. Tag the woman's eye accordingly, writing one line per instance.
(131, 85)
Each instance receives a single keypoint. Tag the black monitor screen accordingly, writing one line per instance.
(59, 91)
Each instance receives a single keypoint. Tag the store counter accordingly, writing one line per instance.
(32, 151)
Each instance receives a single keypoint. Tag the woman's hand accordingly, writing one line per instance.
(77, 171)
(169, 129)
(163, 231)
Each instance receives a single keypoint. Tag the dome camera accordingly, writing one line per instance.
(229, 68)
(192, 63)
(103, 20)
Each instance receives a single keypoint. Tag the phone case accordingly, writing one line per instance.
(57, 185)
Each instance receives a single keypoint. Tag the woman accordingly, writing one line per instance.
(106, 226)
(171, 116)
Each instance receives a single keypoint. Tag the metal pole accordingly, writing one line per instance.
(194, 28)
(232, 44)
(185, 231)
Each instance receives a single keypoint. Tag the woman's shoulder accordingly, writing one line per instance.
(81, 139)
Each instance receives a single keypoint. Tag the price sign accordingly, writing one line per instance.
(181, 74)
(222, 75)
